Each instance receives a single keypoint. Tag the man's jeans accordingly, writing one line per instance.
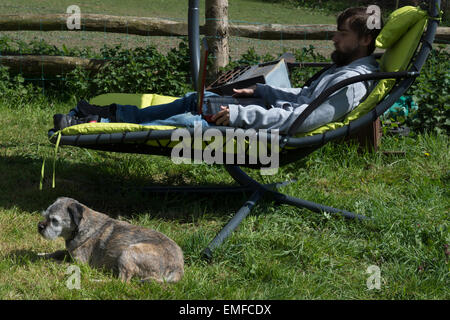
(181, 112)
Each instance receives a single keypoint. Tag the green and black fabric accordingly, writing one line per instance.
(407, 38)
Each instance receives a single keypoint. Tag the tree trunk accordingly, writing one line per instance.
(216, 30)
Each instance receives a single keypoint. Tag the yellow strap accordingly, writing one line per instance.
(42, 175)
(54, 157)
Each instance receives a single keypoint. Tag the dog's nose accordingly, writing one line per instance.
(41, 226)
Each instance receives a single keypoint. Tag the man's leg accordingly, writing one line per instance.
(133, 114)
(186, 104)
(186, 119)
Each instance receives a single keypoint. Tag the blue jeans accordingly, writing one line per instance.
(181, 112)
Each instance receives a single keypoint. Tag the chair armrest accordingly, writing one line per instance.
(329, 91)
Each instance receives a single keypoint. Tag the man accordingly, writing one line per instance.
(354, 43)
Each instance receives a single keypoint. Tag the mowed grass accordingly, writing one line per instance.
(253, 11)
(278, 252)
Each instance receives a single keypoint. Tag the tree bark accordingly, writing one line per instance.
(216, 31)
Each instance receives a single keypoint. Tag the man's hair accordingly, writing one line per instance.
(357, 21)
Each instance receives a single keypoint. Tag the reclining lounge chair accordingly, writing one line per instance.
(407, 37)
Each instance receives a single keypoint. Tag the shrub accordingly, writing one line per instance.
(141, 69)
(431, 92)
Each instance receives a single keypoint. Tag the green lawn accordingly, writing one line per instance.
(277, 253)
(239, 10)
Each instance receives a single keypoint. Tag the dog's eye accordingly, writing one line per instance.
(54, 221)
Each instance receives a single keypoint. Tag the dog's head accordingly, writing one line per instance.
(62, 219)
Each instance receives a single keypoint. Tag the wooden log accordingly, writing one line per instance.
(284, 32)
(94, 22)
(164, 27)
(46, 66)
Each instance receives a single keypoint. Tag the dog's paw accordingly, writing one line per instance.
(59, 255)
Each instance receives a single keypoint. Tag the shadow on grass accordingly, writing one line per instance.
(23, 257)
(100, 190)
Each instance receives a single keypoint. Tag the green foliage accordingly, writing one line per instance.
(307, 54)
(14, 88)
(431, 92)
(40, 47)
(250, 58)
(141, 69)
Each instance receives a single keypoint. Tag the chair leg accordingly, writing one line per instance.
(315, 207)
(242, 178)
(260, 191)
(232, 224)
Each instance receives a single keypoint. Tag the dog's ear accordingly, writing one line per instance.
(76, 212)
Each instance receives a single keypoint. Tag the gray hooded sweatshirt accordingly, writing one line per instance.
(285, 105)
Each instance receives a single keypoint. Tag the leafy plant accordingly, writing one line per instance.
(431, 92)
(142, 69)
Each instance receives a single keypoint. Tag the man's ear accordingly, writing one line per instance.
(365, 40)
(76, 210)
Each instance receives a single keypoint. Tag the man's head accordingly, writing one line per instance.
(353, 39)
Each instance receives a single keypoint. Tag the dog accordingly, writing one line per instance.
(102, 242)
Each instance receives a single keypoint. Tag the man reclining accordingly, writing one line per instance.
(354, 44)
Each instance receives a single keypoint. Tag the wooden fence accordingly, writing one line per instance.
(145, 27)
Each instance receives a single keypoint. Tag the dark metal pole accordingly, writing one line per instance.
(194, 40)
(232, 224)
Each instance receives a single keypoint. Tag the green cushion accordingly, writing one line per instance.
(398, 23)
(134, 99)
(398, 56)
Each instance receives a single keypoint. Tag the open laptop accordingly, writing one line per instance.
(213, 103)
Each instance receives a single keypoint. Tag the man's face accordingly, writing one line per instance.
(349, 46)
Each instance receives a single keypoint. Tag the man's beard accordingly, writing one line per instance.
(343, 58)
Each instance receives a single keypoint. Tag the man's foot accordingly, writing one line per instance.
(61, 121)
(86, 109)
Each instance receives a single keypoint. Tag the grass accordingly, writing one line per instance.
(240, 12)
(277, 253)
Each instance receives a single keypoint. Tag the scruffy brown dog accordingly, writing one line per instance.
(93, 237)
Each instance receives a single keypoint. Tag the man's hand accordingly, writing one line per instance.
(247, 92)
(222, 118)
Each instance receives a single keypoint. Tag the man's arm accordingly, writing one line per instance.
(222, 118)
(335, 108)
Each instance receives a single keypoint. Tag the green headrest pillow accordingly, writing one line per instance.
(399, 22)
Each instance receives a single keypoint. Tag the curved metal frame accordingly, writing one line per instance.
(303, 146)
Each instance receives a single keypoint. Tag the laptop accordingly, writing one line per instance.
(213, 104)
